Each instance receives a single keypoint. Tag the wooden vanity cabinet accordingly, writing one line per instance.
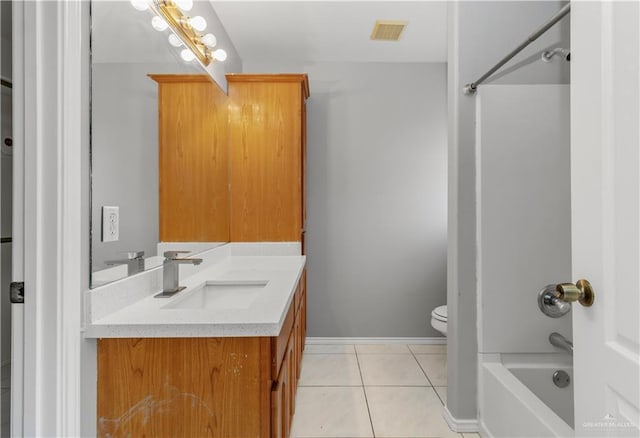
(267, 156)
(197, 387)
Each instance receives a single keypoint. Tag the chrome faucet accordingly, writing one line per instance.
(557, 340)
(170, 272)
(134, 262)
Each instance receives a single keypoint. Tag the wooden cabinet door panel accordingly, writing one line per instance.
(277, 426)
(193, 159)
(266, 156)
(187, 387)
(279, 344)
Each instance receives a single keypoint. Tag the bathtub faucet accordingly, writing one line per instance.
(557, 340)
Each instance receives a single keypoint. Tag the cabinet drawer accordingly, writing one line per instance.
(279, 344)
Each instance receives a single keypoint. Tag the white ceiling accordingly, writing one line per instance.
(334, 31)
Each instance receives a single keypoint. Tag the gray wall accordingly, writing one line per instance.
(6, 173)
(125, 156)
(480, 33)
(376, 168)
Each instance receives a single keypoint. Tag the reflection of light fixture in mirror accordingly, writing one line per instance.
(197, 22)
(219, 55)
(141, 5)
(159, 24)
(169, 14)
(209, 40)
(187, 55)
(185, 5)
(175, 41)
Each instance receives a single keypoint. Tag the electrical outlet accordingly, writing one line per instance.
(110, 224)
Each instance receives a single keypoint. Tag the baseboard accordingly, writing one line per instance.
(459, 425)
(339, 341)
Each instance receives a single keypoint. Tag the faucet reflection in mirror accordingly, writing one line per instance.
(169, 14)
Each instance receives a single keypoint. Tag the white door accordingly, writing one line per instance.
(605, 166)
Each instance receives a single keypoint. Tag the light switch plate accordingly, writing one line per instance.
(110, 223)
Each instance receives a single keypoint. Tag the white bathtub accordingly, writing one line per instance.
(519, 399)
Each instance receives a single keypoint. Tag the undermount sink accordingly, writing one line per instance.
(219, 295)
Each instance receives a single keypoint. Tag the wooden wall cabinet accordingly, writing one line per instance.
(193, 159)
(232, 168)
(202, 387)
(267, 156)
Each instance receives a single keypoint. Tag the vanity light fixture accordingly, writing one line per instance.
(159, 24)
(141, 5)
(169, 14)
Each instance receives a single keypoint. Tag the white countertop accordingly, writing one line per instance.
(150, 317)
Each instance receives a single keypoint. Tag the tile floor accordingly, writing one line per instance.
(393, 391)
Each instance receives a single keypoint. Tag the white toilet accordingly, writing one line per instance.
(439, 319)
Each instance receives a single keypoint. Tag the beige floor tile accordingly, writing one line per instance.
(406, 412)
(435, 365)
(329, 349)
(429, 348)
(391, 369)
(331, 412)
(382, 349)
(470, 435)
(442, 392)
(330, 370)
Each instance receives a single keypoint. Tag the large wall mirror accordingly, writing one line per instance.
(125, 50)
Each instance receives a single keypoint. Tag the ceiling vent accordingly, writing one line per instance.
(388, 30)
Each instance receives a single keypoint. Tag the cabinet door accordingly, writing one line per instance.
(193, 159)
(265, 157)
(279, 404)
(293, 377)
(276, 410)
(303, 315)
(298, 344)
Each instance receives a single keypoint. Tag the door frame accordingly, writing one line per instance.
(48, 43)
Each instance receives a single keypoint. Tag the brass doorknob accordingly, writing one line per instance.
(581, 292)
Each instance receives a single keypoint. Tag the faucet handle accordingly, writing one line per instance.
(174, 254)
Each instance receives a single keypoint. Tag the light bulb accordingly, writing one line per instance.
(140, 5)
(198, 23)
(185, 5)
(159, 24)
(209, 40)
(174, 40)
(220, 55)
(187, 55)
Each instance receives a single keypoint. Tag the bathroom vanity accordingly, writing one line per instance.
(221, 357)
(226, 366)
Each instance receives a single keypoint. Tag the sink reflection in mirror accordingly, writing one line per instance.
(219, 295)
(125, 49)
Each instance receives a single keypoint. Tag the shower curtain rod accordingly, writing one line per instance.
(473, 86)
